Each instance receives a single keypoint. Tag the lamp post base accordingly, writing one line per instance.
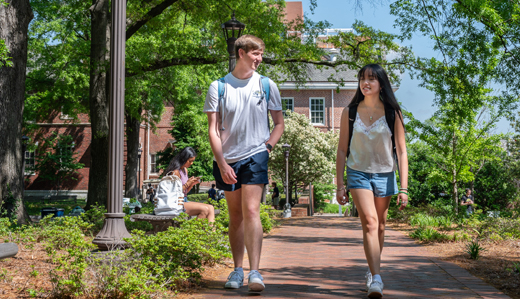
(113, 232)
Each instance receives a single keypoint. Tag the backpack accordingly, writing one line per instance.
(169, 199)
(266, 88)
(390, 120)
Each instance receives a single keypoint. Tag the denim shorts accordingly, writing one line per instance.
(382, 184)
(249, 171)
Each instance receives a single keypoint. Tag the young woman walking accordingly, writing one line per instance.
(370, 163)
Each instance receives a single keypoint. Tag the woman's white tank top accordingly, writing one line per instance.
(371, 147)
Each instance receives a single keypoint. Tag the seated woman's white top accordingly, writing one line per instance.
(371, 147)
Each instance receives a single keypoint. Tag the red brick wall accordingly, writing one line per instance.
(302, 104)
(81, 131)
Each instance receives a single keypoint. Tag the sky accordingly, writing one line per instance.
(342, 14)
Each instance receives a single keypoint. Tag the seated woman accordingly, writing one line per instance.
(179, 166)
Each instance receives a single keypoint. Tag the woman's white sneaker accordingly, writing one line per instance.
(375, 290)
(235, 280)
(255, 282)
(368, 280)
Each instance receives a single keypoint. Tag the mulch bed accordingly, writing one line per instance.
(495, 265)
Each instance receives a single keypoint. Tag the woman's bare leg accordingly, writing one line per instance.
(365, 203)
(201, 210)
(382, 204)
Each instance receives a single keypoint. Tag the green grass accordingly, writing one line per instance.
(333, 208)
(34, 207)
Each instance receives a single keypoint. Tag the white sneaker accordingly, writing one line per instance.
(255, 282)
(375, 290)
(368, 280)
(235, 280)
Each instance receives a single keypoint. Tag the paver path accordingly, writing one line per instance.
(322, 257)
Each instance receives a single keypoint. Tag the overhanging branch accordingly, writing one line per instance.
(212, 60)
(152, 13)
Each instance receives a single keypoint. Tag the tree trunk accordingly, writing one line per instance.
(455, 196)
(14, 24)
(454, 172)
(132, 146)
(99, 103)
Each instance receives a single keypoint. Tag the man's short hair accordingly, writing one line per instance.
(247, 43)
(213, 185)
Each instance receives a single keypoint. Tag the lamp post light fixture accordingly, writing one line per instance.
(114, 229)
(233, 29)
(287, 208)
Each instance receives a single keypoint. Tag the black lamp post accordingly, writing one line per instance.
(24, 148)
(287, 209)
(139, 151)
(233, 29)
(114, 229)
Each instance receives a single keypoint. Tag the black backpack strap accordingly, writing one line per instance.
(390, 120)
(352, 111)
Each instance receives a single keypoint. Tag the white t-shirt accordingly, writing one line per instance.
(244, 115)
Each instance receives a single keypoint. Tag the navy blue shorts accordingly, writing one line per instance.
(250, 171)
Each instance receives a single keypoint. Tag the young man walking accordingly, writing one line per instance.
(241, 142)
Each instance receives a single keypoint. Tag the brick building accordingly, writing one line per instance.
(150, 143)
(318, 99)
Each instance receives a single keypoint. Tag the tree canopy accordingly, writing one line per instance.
(312, 153)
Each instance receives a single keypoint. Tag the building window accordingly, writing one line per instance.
(317, 108)
(29, 162)
(66, 153)
(153, 164)
(287, 104)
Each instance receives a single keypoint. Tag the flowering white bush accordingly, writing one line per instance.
(312, 155)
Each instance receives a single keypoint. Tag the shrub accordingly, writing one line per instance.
(95, 216)
(6, 226)
(500, 228)
(322, 192)
(460, 236)
(137, 225)
(267, 219)
(202, 197)
(180, 253)
(474, 249)
(428, 234)
(329, 208)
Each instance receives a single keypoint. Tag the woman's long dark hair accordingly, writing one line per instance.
(180, 159)
(387, 94)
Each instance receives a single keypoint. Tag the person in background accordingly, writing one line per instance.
(212, 192)
(468, 200)
(150, 192)
(275, 196)
(179, 166)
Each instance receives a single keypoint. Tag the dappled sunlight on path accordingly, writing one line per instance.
(322, 257)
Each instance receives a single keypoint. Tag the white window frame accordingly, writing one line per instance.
(292, 104)
(153, 157)
(69, 149)
(323, 110)
(29, 171)
(65, 116)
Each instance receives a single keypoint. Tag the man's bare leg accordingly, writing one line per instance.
(252, 228)
(236, 226)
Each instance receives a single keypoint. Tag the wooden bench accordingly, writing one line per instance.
(160, 223)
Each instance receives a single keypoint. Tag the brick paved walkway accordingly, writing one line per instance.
(322, 257)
